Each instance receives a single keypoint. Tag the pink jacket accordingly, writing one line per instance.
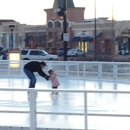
(54, 79)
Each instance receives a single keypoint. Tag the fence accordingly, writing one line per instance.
(80, 70)
(33, 112)
(112, 71)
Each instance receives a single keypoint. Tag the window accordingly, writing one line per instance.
(40, 53)
(45, 53)
(50, 24)
(57, 24)
(34, 53)
(24, 52)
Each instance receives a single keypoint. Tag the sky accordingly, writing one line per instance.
(32, 11)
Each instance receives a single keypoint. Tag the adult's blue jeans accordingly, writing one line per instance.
(32, 78)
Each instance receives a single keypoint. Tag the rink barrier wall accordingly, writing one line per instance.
(33, 105)
(109, 71)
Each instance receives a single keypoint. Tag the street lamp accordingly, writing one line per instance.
(13, 54)
(95, 29)
(84, 32)
(62, 13)
(11, 28)
(65, 30)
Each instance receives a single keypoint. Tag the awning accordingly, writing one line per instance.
(97, 34)
(27, 38)
(119, 38)
(75, 39)
(50, 40)
(87, 39)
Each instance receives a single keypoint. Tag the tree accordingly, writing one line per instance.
(107, 28)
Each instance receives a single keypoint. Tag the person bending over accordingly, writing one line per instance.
(34, 66)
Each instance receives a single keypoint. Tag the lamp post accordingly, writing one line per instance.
(11, 28)
(62, 12)
(84, 32)
(65, 30)
(95, 30)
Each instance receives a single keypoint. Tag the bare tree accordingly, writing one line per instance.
(37, 36)
(107, 28)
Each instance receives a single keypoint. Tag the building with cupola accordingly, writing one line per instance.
(110, 39)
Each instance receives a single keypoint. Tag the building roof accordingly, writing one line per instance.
(6, 20)
(59, 3)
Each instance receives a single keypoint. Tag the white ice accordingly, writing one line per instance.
(66, 102)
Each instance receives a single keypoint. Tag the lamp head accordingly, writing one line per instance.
(11, 27)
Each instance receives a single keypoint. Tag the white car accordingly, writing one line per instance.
(76, 52)
(33, 54)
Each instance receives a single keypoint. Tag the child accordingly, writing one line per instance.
(54, 80)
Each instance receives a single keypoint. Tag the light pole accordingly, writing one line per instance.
(84, 32)
(11, 28)
(95, 29)
(62, 12)
(65, 30)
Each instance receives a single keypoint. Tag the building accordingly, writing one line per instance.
(110, 38)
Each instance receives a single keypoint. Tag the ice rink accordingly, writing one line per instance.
(66, 102)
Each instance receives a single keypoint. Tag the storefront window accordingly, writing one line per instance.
(124, 46)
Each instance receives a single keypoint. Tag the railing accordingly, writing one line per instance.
(112, 71)
(33, 112)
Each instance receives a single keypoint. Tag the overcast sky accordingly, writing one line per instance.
(32, 11)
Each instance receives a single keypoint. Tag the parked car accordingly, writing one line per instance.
(4, 56)
(76, 52)
(3, 52)
(33, 54)
(1, 48)
(60, 51)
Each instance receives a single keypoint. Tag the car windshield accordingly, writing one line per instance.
(5, 49)
(1, 48)
(45, 52)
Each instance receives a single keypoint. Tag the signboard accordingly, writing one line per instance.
(66, 37)
(125, 32)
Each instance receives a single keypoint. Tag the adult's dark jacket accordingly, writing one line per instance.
(34, 66)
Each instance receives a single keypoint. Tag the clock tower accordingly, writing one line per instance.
(74, 14)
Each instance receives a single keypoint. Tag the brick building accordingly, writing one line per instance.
(112, 37)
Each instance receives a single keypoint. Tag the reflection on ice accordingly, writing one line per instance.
(66, 102)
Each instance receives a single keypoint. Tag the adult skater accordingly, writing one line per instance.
(34, 66)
